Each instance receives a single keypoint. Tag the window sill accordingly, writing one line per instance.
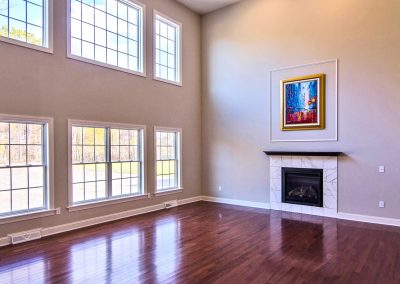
(179, 84)
(27, 216)
(105, 65)
(26, 45)
(166, 192)
(85, 206)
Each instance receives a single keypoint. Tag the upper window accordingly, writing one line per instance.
(107, 162)
(108, 33)
(26, 22)
(167, 49)
(168, 159)
(24, 171)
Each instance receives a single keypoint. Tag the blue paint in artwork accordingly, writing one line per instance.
(301, 96)
(301, 102)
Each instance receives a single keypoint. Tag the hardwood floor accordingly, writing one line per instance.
(211, 243)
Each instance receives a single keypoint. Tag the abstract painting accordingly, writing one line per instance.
(303, 103)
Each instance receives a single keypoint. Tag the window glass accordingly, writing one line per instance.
(168, 163)
(25, 20)
(107, 31)
(167, 42)
(106, 163)
(23, 167)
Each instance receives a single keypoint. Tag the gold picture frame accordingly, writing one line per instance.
(303, 103)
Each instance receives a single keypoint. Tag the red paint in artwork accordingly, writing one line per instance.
(302, 117)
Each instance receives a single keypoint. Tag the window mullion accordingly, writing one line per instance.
(45, 163)
(9, 163)
(139, 142)
(44, 23)
(26, 154)
(26, 31)
(109, 163)
(95, 161)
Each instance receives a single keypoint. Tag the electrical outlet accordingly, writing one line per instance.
(381, 204)
(381, 169)
(219, 188)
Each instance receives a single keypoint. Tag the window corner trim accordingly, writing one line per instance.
(179, 84)
(167, 192)
(105, 65)
(7, 40)
(95, 204)
(27, 216)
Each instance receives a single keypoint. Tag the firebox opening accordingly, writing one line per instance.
(302, 186)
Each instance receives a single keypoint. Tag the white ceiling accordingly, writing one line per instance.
(206, 6)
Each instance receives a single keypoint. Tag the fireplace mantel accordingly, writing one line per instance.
(294, 153)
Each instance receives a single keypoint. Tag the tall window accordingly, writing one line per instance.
(126, 162)
(107, 162)
(26, 21)
(167, 49)
(168, 159)
(89, 163)
(107, 32)
(23, 167)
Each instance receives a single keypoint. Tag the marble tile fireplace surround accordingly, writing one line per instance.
(326, 161)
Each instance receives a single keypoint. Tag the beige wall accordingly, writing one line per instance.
(243, 42)
(40, 84)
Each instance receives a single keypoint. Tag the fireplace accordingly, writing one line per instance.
(302, 186)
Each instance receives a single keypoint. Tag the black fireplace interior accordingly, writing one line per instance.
(302, 186)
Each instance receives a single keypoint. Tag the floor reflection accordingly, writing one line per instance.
(112, 259)
(27, 271)
(88, 260)
(127, 256)
(302, 239)
(302, 236)
(122, 257)
(167, 255)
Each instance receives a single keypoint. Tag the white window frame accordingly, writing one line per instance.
(48, 17)
(142, 46)
(49, 146)
(178, 51)
(179, 187)
(110, 200)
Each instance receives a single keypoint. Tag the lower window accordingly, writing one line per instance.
(24, 175)
(168, 159)
(107, 162)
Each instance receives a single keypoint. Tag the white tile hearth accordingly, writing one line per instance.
(330, 189)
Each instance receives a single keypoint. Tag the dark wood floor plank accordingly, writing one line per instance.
(211, 243)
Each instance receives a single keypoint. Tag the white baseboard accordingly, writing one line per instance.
(102, 219)
(253, 204)
(5, 241)
(134, 212)
(99, 220)
(340, 215)
(189, 200)
(369, 219)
